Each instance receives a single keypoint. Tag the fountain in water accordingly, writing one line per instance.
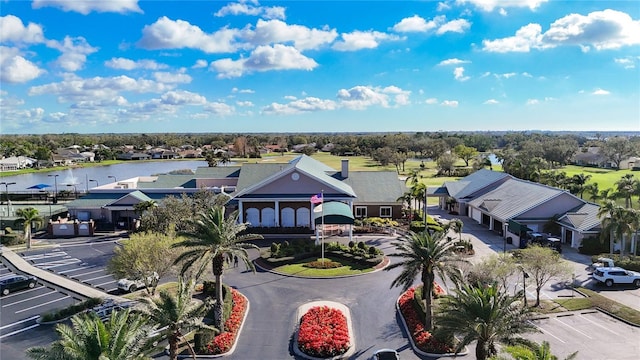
(70, 179)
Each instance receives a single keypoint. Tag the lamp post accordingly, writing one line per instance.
(55, 181)
(525, 276)
(75, 191)
(96, 181)
(112, 177)
(6, 190)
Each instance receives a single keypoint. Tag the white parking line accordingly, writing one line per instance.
(597, 324)
(99, 277)
(80, 268)
(108, 282)
(90, 272)
(572, 328)
(54, 264)
(547, 332)
(43, 304)
(4, 298)
(45, 256)
(20, 322)
(25, 300)
(19, 331)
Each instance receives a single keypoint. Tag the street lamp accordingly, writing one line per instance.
(525, 276)
(112, 177)
(6, 190)
(96, 181)
(75, 191)
(55, 181)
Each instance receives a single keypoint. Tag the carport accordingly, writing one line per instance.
(333, 213)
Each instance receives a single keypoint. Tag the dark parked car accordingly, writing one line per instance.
(386, 354)
(11, 283)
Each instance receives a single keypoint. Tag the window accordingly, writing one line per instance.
(361, 211)
(385, 211)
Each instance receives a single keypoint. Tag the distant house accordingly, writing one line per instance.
(511, 206)
(267, 195)
(591, 156)
(134, 156)
(16, 163)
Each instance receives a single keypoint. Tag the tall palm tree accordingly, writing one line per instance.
(124, 336)
(626, 187)
(578, 183)
(593, 191)
(176, 315)
(419, 192)
(28, 217)
(406, 198)
(426, 255)
(484, 314)
(618, 222)
(212, 238)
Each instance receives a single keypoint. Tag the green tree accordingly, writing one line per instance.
(543, 264)
(626, 188)
(465, 153)
(446, 163)
(593, 191)
(483, 314)
(578, 183)
(536, 352)
(619, 223)
(497, 269)
(28, 218)
(456, 226)
(122, 337)
(142, 255)
(213, 238)
(426, 255)
(176, 315)
(617, 149)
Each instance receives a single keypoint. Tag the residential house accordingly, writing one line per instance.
(14, 163)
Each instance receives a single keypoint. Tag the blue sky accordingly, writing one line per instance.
(133, 66)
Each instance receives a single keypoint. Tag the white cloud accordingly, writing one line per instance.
(181, 97)
(264, 58)
(453, 61)
(627, 62)
(457, 26)
(12, 30)
(489, 5)
(505, 75)
(442, 6)
(200, 64)
(128, 64)
(362, 40)
(219, 109)
(450, 103)
(14, 68)
(172, 78)
(74, 52)
(502, 12)
(608, 29)
(85, 7)
(401, 97)
(458, 74)
(431, 101)
(414, 24)
(491, 102)
(244, 103)
(178, 34)
(600, 92)
(306, 105)
(362, 97)
(276, 31)
(533, 101)
(242, 8)
(242, 91)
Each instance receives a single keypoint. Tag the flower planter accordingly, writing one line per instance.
(324, 331)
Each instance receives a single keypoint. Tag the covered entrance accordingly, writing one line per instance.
(333, 213)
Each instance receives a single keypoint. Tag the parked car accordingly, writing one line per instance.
(133, 285)
(386, 354)
(616, 275)
(601, 262)
(14, 282)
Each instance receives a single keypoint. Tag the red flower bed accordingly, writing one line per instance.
(323, 332)
(422, 338)
(223, 342)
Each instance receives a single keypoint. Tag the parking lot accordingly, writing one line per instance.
(593, 334)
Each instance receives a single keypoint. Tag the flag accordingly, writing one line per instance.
(316, 199)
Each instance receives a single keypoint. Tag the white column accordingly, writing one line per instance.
(350, 202)
(276, 208)
(240, 212)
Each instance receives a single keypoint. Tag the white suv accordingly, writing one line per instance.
(133, 285)
(616, 275)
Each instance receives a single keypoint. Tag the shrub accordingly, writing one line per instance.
(326, 264)
(351, 244)
(361, 245)
(275, 248)
(70, 310)
(323, 332)
(373, 250)
(423, 339)
(593, 246)
(285, 244)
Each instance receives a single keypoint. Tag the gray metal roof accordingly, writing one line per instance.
(218, 172)
(513, 197)
(474, 182)
(582, 218)
(169, 181)
(375, 186)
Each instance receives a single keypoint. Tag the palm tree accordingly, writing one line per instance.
(593, 191)
(456, 225)
(484, 314)
(626, 187)
(426, 255)
(28, 217)
(578, 183)
(406, 198)
(419, 192)
(618, 222)
(536, 352)
(212, 238)
(124, 336)
(176, 315)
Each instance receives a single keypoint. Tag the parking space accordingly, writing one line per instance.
(593, 334)
(61, 262)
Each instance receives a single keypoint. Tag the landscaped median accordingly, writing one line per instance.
(324, 331)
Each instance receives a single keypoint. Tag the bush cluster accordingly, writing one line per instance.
(628, 262)
(593, 246)
(11, 238)
(288, 253)
(326, 264)
(71, 310)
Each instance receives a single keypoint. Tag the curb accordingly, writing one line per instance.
(258, 263)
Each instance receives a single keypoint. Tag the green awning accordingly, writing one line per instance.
(517, 228)
(334, 212)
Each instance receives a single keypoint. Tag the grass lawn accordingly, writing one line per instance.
(347, 268)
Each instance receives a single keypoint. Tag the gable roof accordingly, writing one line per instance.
(474, 182)
(375, 186)
(583, 218)
(514, 197)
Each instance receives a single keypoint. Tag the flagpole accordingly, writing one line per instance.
(322, 238)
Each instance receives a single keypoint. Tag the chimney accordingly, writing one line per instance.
(345, 168)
